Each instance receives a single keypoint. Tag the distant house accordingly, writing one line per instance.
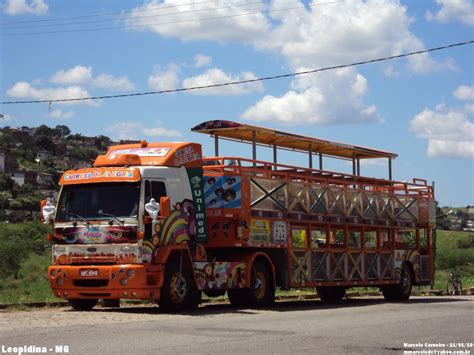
(43, 154)
(470, 210)
(25, 177)
(8, 162)
(21, 132)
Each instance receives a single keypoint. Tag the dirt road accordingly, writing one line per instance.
(355, 326)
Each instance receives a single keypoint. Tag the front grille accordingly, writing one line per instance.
(91, 283)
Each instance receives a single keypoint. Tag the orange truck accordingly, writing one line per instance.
(160, 222)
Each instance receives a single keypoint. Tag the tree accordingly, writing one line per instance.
(6, 182)
(62, 130)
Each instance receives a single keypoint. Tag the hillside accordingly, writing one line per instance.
(31, 162)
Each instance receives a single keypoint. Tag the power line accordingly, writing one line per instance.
(107, 13)
(136, 17)
(244, 81)
(174, 22)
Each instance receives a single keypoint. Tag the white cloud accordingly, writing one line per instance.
(201, 60)
(20, 7)
(76, 75)
(23, 89)
(59, 114)
(83, 75)
(453, 10)
(450, 149)
(188, 21)
(449, 131)
(135, 130)
(107, 81)
(217, 76)
(164, 79)
(310, 37)
(323, 99)
(161, 132)
(464, 92)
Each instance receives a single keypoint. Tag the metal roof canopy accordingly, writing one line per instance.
(256, 135)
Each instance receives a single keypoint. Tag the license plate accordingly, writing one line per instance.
(89, 272)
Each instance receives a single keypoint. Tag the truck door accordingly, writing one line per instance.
(153, 189)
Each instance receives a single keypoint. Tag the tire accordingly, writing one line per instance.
(389, 292)
(83, 304)
(331, 294)
(402, 290)
(450, 290)
(214, 293)
(261, 292)
(111, 302)
(454, 288)
(178, 291)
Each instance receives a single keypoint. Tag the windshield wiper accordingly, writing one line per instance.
(80, 217)
(102, 213)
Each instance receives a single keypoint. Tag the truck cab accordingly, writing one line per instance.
(117, 223)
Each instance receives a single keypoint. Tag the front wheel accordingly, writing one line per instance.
(454, 288)
(178, 291)
(83, 304)
(261, 292)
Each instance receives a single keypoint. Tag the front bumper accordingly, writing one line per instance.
(131, 281)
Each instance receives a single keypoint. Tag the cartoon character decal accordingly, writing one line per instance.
(219, 275)
(177, 228)
(96, 234)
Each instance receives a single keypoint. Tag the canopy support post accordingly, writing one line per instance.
(320, 161)
(254, 147)
(358, 167)
(310, 156)
(275, 158)
(216, 145)
(354, 169)
(390, 168)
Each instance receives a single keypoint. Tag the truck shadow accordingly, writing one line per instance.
(209, 309)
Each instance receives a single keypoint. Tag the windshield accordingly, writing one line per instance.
(98, 201)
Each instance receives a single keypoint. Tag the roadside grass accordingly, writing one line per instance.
(29, 283)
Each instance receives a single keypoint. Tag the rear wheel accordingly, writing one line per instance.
(261, 292)
(82, 304)
(178, 291)
(402, 290)
(331, 294)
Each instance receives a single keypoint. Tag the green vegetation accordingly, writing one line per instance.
(24, 257)
(455, 251)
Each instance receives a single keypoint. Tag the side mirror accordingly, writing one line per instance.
(152, 208)
(165, 203)
(48, 211)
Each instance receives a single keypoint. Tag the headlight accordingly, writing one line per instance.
(130, 273)
(59, 282)
(53, 273)
(123, 281)
(58, 249)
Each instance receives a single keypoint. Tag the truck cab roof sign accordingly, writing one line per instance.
(89, 176)
(173, 154)
(142, 152)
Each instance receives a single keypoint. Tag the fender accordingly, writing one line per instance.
(249, 260)
(165, 252)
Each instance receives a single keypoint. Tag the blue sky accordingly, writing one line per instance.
(421, 107)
